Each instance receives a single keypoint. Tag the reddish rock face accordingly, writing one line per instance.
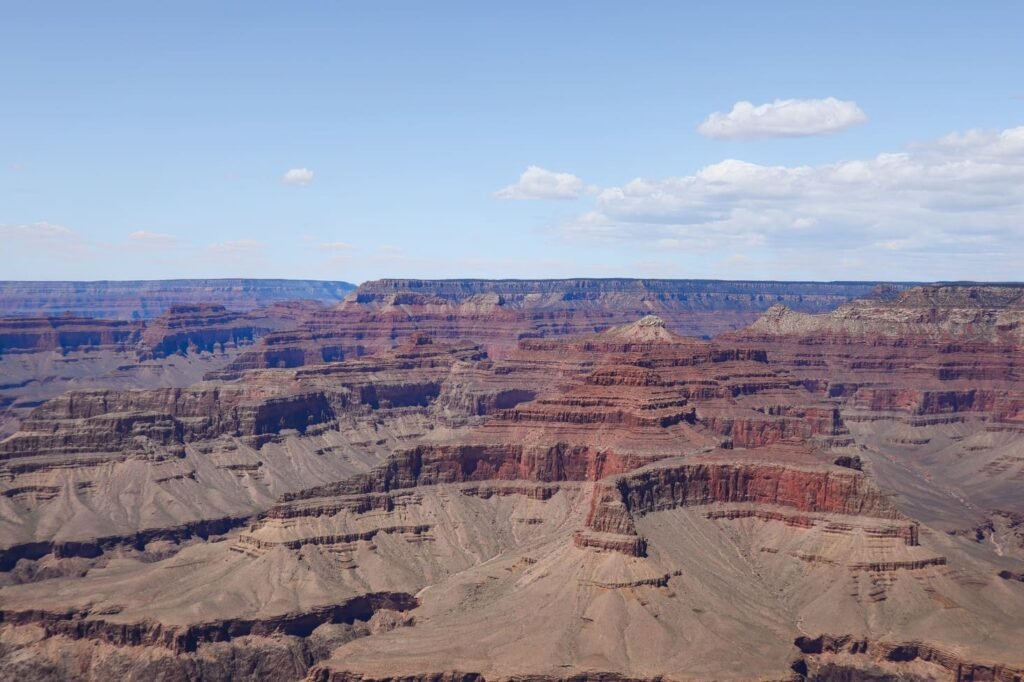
(498, 314)
(548, 466)
(940, 350)
(66, 333)
(621, 409)
(261, 405)
(823, 649)
(202, 328)
(40, 357)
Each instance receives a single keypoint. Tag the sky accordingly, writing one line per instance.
(359, 140)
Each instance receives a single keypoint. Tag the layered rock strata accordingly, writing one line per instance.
(622, 505)
(930, 382)
(499, 313)
(253, 439)
(146, 299)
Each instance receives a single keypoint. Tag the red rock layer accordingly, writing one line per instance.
(66, 333)
(498, 314)
(202, 327)
(264, 403)
(941, 351)
(620, 408)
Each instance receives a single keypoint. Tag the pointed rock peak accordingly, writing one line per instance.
(650, 321)
(772, 317)
(776, 311)
(647, 329)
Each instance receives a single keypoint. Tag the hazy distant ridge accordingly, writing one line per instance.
(145, 299)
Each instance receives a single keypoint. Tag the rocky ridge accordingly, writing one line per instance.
(40, 357)
(499, 313)
(146, 299)
(929, 381)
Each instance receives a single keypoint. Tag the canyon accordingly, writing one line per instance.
(512, 480)
(144, 300)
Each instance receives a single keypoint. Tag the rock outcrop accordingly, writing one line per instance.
(930, 382)
(40, 357)
(571, 489)
(499, 313)
(66, 333)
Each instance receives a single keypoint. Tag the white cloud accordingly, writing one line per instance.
(539, 183)
(43, 239)
(237, 247)
(43, 250)
(144, 238)
(957, 196)
(783, 118)
(337, 246)
(39, 231)
(298, 176)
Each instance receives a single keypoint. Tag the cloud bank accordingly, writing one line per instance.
(956, 196)
(237, 247)
(539, 183)
(155, 240)
(783, 118)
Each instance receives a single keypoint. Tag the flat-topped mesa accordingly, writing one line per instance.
(202, 328)
(694, 295)
(146, 299)
(66, 333)
(609, 378)
(763, 485)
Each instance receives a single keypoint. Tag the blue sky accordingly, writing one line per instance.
(151, 140)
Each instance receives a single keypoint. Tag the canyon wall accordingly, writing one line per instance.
(146, 299)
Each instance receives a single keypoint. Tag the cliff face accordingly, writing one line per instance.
(500, 313)
(40, 357)
(940, 350)
(930, 382)
(66, 333)
(832, 655)
(572, 489)
(181, 329)
(693, 295)
(142, 300)
(921, 315)
(145, 421)
(204, 328)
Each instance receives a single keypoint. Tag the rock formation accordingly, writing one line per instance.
(40, 357)
(499, 313)
(532, 481)
(928, 381)
(143, 300)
